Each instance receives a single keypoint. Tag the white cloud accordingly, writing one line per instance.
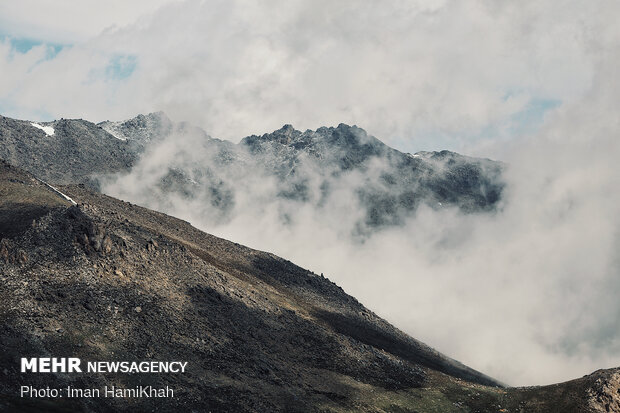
(67, 21)
(409, 73)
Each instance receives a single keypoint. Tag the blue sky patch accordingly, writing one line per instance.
(24, 45)
(532, 116)
(6, 107)
(121, 67)
(525, 122)
(9, 109)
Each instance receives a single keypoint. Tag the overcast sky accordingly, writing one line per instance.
(420, 75)
(528, 295)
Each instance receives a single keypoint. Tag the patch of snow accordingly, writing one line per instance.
(116, 136)
(58, 192)
(422, 155)
(113, 128)
(49, 131)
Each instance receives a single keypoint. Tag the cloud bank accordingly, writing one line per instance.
(420, 74)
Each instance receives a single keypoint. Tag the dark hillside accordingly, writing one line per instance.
(109, 281)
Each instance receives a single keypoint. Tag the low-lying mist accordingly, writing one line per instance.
(527, 293)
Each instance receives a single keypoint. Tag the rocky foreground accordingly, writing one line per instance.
(107, 280)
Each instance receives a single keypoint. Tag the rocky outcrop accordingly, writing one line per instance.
(143, 129)
(605, 393)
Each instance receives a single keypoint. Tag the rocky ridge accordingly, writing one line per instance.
(392, 184)
(290, 168)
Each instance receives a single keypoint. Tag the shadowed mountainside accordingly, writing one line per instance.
(107, 280)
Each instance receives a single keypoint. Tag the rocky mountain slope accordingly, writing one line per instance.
(76, 151)
(108, 280)
(391, 184)
(143, 129)
(288, 168)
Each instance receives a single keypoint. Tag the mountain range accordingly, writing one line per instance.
(286, 169)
